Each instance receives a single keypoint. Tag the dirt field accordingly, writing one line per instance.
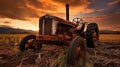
(107, 54)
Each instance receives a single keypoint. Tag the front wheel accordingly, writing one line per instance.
(29, 42)
(76, 56)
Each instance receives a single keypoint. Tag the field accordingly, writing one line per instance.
(105, 55)
(16, 38)
(110, 37)
(11, 38)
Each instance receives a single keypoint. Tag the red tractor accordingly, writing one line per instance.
(54, 30)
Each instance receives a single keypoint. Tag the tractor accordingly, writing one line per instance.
(78, 35)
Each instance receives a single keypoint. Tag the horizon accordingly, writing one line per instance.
(38, 30)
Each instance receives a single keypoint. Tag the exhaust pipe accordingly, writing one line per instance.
(67, 12)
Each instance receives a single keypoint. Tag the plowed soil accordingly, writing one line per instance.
(107, 54)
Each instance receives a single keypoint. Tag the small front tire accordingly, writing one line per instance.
(29, 42)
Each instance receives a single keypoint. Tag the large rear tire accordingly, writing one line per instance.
(29, 42)
(76, 56)
(92, 35)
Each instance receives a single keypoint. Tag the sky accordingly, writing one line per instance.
(25, 13)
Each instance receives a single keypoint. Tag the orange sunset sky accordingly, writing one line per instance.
(25, 13)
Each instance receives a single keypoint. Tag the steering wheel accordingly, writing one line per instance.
(77, 21)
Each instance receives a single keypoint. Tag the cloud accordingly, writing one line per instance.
(41, 6)
(73, 3)
(15, 9)
(25, 9)
(114, 2)
(76, 6)
(117, 12)
(7, 22)
(105, 21)
(57, 7)
(100, 10)
(104, 12)
(95, 18)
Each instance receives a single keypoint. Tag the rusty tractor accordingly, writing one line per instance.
(54, 30)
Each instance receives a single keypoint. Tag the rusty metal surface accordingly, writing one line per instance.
(60, 20)
(46, 37)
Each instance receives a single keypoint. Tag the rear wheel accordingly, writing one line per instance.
(92, 35)
(29, 43)
(77, 55)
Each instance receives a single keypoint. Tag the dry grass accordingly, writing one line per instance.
(11, 38)
(16, 38)
(110, 37)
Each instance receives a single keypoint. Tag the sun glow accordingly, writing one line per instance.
(27, 25)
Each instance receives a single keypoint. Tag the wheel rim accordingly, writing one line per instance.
(30, 44)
